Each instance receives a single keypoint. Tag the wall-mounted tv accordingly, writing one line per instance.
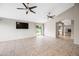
(21, 25)
(69, 30)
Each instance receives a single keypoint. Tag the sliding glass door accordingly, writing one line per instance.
(39, 29)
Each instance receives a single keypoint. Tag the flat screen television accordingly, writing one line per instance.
(69, 30)
(21, 25)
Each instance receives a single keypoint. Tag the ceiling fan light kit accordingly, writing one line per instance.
(50, 16)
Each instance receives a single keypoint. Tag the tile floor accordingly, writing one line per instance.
(43, 46)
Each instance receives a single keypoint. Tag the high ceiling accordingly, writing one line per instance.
(8, 10)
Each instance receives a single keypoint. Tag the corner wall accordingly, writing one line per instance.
(50, 28)
(72, 14)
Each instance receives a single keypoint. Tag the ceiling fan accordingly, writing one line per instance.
(27, 8)
(50, 16)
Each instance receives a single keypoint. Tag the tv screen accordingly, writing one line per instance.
(69, 30)
(21, 25)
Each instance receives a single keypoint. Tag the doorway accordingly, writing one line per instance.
(39, 29)
(65, 29)
(59, 29)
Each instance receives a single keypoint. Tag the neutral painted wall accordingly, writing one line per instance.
(72, 14)
(67, 22)
(72, 27)
(8, 31)
(50, 28)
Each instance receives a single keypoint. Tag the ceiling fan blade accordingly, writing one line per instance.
(27, 12)
(51, 16)
(32, 7)
(32, 11)
(22, 8)
(25, 5)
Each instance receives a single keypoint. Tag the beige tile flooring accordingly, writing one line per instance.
(43, 46)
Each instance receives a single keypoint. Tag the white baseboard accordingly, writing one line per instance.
(8, 39)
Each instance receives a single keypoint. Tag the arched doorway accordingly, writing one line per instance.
(59, 29)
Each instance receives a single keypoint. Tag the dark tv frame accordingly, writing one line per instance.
(22, 25)
(69, 30)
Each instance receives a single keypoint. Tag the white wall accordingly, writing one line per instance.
(8, 31)
(72, 29)
(76, 25)
(76, 31)
(50, 28)
(67, 22)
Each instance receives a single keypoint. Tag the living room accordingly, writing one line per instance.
(19, 23)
